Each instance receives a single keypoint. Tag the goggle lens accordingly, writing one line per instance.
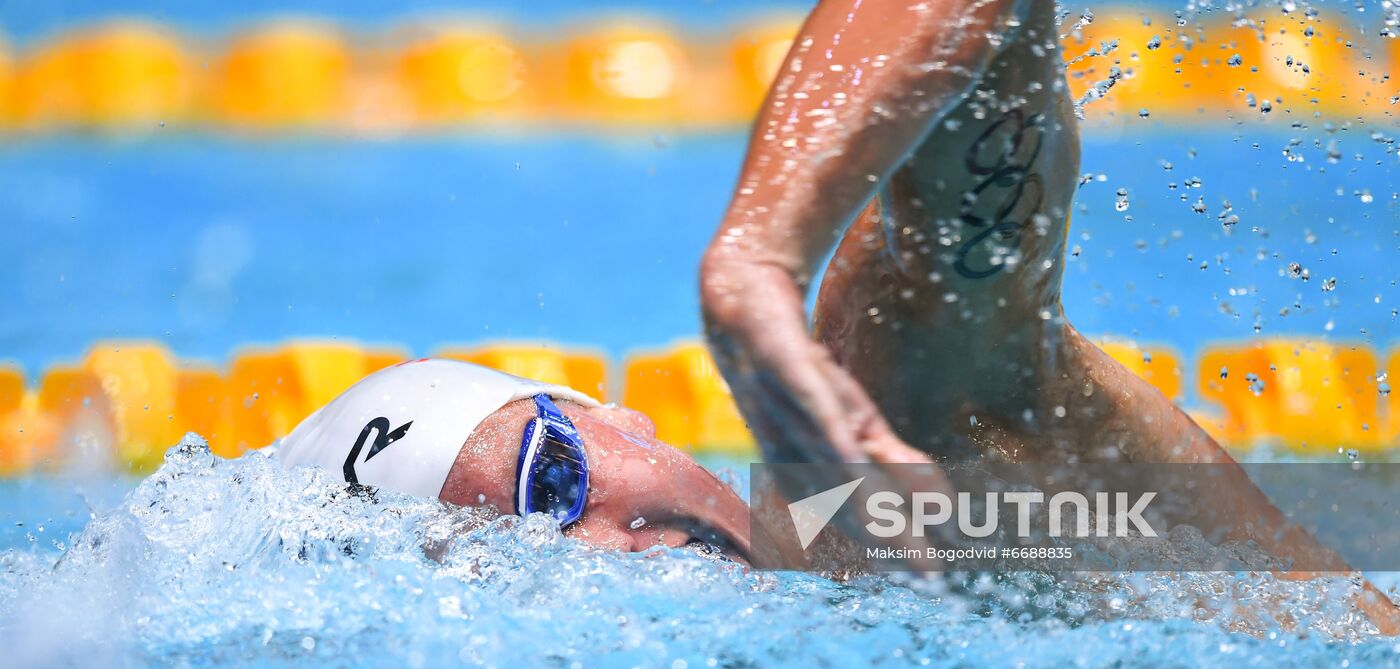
(552, 476)
(556, 480)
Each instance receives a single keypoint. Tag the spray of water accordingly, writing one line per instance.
(211, 559)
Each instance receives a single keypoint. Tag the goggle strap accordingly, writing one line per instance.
(527, 463)
(556, 419)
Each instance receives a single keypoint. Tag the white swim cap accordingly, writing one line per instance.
(402, 427)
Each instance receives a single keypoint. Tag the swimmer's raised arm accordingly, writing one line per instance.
(861, 87)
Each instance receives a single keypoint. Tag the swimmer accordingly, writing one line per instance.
(935, 145)
(472, 436)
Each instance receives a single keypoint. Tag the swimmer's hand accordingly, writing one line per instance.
(864, 83)
(800, 404)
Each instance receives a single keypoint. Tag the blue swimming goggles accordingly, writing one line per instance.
(552, 476)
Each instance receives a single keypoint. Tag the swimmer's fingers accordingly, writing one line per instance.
(912, 469)
(812, 410)
(845, 426)
(798, 399)
(786, 391)
(874, 439)
(902, 468)
(824, 413)
(830, 399)
(786, 430)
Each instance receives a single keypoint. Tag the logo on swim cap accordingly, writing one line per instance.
(383, 437)
(442, 400)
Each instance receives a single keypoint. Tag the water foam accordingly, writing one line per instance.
(212, 561)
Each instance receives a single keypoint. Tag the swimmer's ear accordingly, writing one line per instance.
(626, 419)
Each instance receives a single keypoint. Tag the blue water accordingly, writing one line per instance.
(241, 563)
(209, 243)
(28, 21)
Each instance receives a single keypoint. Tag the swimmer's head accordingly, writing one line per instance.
(457, 431)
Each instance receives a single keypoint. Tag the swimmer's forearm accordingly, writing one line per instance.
(862, 86)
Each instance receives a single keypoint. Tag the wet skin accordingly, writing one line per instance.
(953, 273)
(935, 141)
(631, 476)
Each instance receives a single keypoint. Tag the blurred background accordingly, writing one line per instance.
(218, 215)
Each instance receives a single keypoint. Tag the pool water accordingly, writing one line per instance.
(239, 562)
(206, 244)
(595, 241)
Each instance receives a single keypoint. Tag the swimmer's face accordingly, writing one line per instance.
(641, 492)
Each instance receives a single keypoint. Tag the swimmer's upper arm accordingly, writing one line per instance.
(863, 84)
(861, 88)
